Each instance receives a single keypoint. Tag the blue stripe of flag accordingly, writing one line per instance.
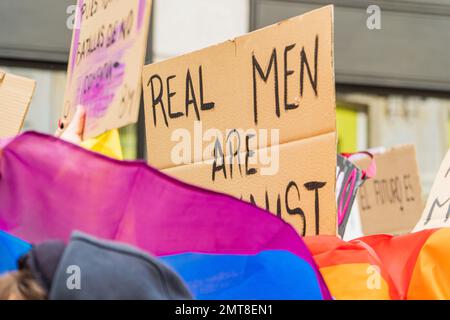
(269, 275)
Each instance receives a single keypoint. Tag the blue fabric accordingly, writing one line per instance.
(269, 275)
(11, 249)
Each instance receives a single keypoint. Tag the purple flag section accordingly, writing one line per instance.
(49, 187)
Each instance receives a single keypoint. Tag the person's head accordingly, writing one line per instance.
(21, 285)
(33, 279)
(89, 268)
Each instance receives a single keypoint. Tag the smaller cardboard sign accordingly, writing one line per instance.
(107, 55)
(391, 202)
(437, 209)
(348, 180)
(15, 98)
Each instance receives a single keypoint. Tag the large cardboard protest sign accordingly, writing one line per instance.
(437, 209)
(15, 98)
(104, 73)
(391, 201)
(253, 117)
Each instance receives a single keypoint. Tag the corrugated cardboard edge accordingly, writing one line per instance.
(4, 74)
(29, 100)
(27, 108)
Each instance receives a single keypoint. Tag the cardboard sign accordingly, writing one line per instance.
(15, 98)
(391, 202)
(253, 117)
(437, 209)
(348, 180)
(108, 51)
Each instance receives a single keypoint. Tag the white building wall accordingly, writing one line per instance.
(182, 26)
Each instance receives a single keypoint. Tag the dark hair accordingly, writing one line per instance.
(21, 285)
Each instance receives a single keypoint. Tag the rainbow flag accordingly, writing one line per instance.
(223, 248)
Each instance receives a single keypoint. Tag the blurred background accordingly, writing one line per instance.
(392, 75)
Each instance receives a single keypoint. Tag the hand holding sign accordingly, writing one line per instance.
(106, 59)
(73, 131)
